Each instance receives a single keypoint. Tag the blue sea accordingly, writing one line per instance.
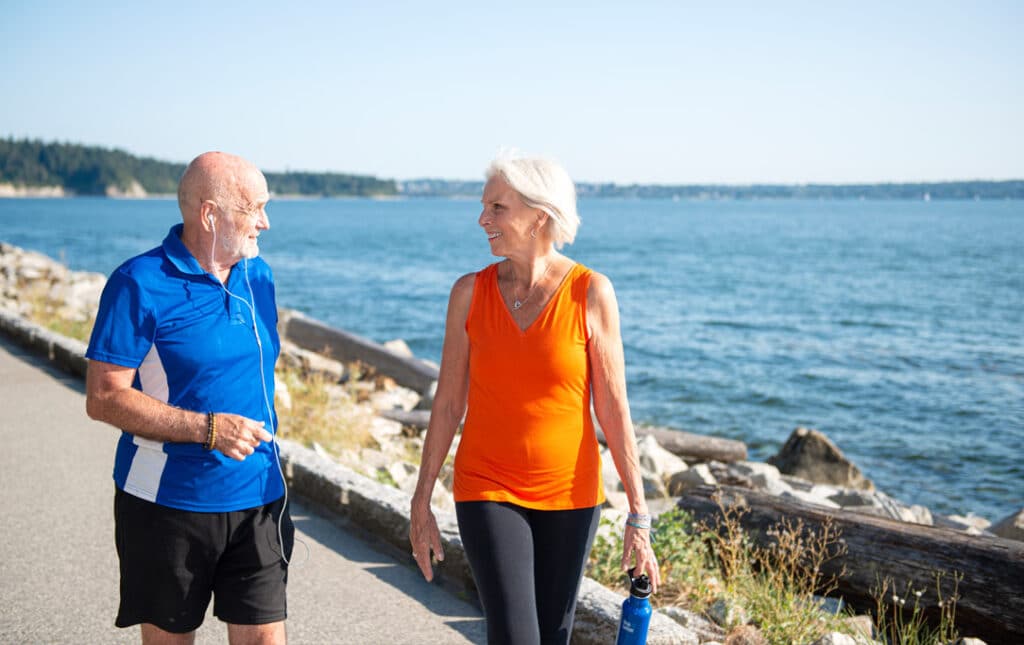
(897, 328)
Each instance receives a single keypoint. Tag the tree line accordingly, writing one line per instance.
(93, 170)
(1012, 189)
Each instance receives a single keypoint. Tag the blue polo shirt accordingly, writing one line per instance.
(194, 347)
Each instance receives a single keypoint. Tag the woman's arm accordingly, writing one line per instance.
(445, 415)
(608, 376)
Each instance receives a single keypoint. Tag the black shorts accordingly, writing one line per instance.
(173, 560)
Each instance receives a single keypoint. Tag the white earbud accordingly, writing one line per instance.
(209, 218)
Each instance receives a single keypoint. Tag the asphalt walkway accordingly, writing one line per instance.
(59, 569)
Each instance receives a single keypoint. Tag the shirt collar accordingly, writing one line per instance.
(178, 253)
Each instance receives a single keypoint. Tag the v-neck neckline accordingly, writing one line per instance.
(540, 314)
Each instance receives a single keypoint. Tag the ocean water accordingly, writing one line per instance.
(897, 328)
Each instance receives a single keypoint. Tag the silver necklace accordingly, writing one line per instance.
(516, 302)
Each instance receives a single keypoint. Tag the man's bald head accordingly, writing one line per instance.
(219, 177)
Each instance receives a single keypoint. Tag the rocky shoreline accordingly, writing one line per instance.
(808, 469)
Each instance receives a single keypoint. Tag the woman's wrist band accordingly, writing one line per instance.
(638, 525)
(638, 520)
(211, 431)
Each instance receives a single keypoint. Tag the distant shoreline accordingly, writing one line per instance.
(8, 191)
(38, 169)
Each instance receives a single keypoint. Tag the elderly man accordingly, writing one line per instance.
(182, 361)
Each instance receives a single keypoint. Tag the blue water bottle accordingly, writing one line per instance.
(636, 612)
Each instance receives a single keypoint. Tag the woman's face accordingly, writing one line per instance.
(506, 220)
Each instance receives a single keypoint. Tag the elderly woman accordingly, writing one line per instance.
(529, 342)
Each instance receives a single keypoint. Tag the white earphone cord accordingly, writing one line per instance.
(266, 401)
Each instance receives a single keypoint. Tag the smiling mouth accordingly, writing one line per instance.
(493, 236)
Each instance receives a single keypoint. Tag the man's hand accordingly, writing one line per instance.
(238, 436)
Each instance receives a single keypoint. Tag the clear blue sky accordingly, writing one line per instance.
(651, 92)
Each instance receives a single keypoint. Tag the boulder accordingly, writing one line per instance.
(385, 431)
(394, 397)
(727, 613)
(399, 346)
(706, 630)
(862, 626)
(1010, 527)
(311, 362)
(836, 638)
(656, 460)
(282, 396)
(811, 455)
(971, 520)
(745, 635)
(848, 497)
(699, 475)
(808, 496)
(597, 619)
(764, 477)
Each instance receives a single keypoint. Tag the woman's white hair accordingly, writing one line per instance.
(544, 184)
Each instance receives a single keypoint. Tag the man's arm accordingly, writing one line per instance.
(110, 397)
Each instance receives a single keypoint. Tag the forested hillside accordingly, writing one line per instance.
(92, 170)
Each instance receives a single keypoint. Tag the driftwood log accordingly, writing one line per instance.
(695, 447)
(683, 444)
(343, 346)
(991, 590)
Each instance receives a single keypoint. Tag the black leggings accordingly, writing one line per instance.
(527, 566)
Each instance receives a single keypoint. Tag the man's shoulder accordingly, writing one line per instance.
(143, 263)
(147, 272)
(258, 269)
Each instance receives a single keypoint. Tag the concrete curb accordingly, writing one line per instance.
(381, 511)
(66, 353)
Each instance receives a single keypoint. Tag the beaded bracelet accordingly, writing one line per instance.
(211, 431)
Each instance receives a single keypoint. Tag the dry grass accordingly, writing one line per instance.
(900, 621)
(326, 413)
(46, 313)
(775, 586)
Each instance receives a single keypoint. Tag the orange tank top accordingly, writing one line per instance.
(529, 436)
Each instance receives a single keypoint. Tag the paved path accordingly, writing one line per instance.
(58, 568)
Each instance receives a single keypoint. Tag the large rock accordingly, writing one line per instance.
(836, 638)
(311, 362)
(705, 629)
(656, 460)
(811, 455)
(1010, 527)
(699, 475)
(745, 635)
(764, 477)
(597, 619)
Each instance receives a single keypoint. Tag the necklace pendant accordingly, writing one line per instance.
(516, 305)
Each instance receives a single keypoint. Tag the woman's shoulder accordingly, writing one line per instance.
(465, 282)
(599, 289)
(463, 287)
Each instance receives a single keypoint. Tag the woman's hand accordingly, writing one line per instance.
(424, 536)
(637, 543)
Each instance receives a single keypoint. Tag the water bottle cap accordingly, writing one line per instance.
(640, 586)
